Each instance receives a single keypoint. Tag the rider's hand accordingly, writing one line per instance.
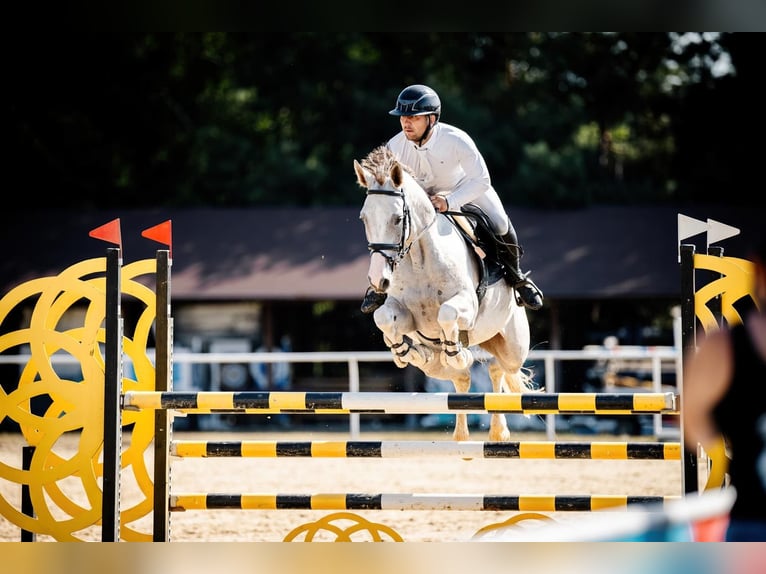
(440, 203)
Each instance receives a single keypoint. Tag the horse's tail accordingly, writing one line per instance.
(522, 381)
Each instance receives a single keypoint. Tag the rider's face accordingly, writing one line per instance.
(414, 126)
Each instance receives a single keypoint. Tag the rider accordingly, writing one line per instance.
(449, 166)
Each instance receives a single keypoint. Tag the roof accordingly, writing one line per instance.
(320, 253)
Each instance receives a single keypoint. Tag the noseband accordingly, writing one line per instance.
(400, 248)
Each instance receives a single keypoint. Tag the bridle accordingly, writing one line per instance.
(402, 247)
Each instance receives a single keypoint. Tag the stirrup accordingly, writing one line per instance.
(528, 294)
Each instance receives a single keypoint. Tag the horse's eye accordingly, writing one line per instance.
(398, 219)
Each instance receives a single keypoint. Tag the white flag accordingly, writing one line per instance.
(718, 231)
(689, 227)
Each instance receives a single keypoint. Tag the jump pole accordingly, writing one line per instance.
(318, 403)
(407, 501)
(428, 449)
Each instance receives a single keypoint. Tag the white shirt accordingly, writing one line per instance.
(450, 164)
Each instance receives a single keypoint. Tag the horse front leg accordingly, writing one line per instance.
(455, 315)
(395, 321)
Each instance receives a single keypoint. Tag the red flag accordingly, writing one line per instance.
(161, 233)
(109, 232)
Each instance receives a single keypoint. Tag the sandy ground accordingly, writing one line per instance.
(339, 475)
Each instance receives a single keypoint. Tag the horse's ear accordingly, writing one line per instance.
(397, 175)
(360, 175)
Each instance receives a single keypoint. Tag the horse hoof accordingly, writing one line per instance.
(418, 356)
(501, 436)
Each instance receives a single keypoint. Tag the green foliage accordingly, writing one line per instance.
(141, 120)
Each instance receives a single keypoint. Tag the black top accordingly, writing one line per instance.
(741, 417)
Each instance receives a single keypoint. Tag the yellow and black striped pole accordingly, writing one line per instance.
(265, 402)
(428, 449)
(358, 501)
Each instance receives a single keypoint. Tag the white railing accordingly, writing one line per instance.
(655, 356)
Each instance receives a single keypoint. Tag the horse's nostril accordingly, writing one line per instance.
(384, 284)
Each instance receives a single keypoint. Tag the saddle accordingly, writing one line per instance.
(473, 224)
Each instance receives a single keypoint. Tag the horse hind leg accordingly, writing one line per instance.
(509, 359)
(514, 382)
(498, 424)
(509, 377)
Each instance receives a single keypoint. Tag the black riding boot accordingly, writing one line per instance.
(509, 253)
(372, 300)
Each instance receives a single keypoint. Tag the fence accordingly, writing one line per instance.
(660, 359)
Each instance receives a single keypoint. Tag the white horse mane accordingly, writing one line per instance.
(380, 161)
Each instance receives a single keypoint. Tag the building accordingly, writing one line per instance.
(244, 278)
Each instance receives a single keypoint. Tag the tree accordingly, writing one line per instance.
(138, 120)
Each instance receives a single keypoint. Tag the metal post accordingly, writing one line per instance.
(716, 303)
(27, 452)
(689, 477)
(550, 387)
(110, 514)
(353, 386)
(163, 382)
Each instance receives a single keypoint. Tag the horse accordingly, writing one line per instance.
(433, 313)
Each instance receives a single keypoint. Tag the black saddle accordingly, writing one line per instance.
(483, 240)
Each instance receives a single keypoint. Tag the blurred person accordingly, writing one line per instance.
(276, 376)
(724, 397)
(448, 165)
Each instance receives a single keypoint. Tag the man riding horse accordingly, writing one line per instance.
(448, 165)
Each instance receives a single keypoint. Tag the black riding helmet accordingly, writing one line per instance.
(417, 100)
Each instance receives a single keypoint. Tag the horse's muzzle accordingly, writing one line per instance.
(379, 274)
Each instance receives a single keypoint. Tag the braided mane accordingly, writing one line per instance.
(380, 161)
